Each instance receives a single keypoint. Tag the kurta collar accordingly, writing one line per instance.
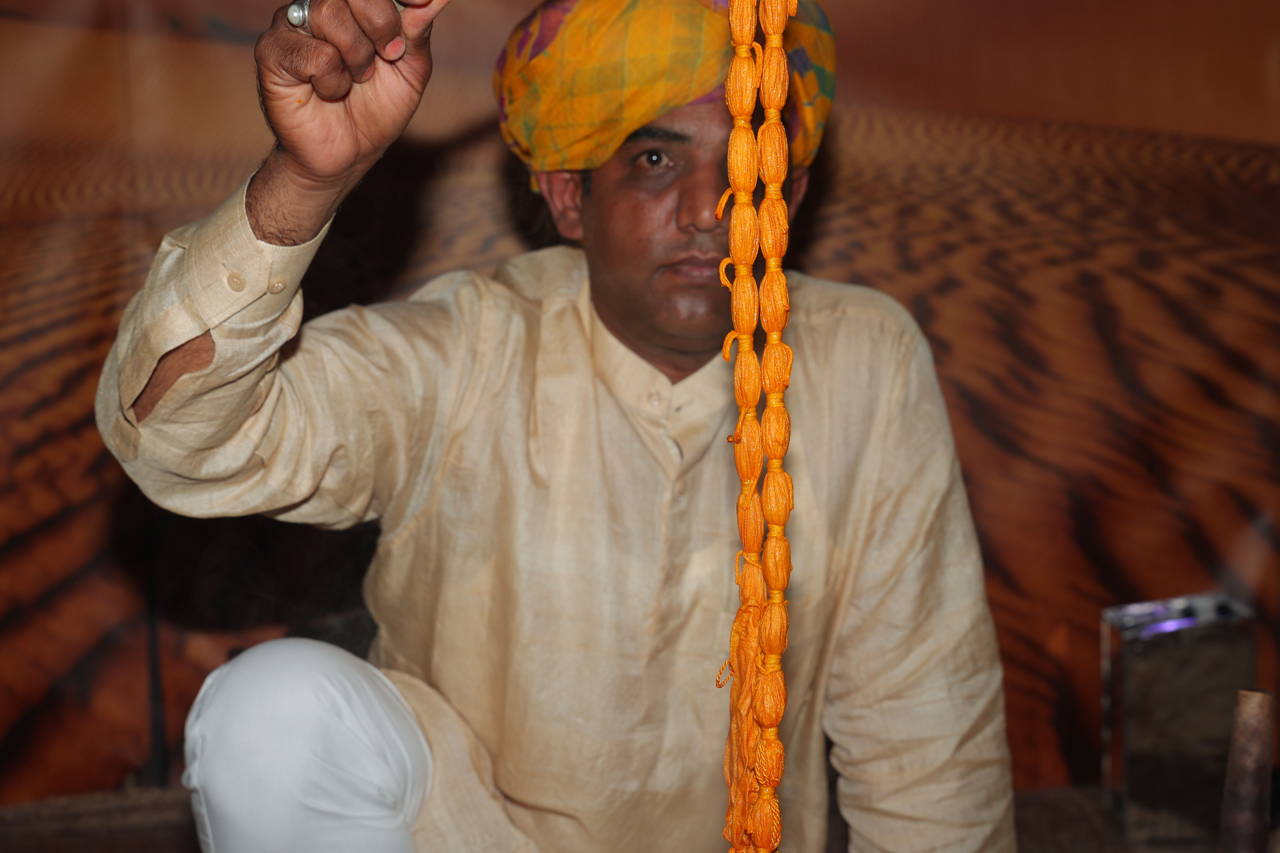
(690, 412)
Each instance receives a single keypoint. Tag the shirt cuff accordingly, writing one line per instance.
(205, 274)
(229, 271)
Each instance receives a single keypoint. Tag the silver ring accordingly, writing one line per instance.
(299, 15)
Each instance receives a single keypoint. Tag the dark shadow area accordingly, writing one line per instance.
(806, 220)
(837, 829)
(526, 211)
(226, 574)
(374, 234)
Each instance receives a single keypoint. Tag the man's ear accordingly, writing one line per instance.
(563, 194)
(798, 179)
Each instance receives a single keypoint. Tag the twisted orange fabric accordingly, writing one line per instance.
(753, 757)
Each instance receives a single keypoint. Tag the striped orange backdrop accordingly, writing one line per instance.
(1104, 305)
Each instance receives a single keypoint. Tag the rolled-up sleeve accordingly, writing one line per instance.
(915, 708)
(314, 432)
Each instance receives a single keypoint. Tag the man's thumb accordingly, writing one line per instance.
(416, 18)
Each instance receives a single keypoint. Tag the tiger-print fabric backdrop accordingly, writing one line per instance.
(1104, 307)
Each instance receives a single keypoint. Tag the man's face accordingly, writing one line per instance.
(647, 225)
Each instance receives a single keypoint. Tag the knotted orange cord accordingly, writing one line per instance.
(753, 755)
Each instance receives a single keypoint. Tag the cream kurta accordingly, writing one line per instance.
(558, 534)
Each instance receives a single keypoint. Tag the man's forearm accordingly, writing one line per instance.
(196, 354)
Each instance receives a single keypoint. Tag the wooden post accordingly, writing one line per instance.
(1246, 794)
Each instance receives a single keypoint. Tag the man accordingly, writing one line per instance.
(543, 448)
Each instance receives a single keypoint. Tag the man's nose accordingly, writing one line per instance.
(698, 199)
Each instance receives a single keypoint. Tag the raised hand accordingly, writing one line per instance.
(335, 97)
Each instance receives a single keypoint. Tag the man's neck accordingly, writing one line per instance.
(675, 364)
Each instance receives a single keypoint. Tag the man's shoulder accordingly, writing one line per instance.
(524, 281)
(554, 273)
(497, 312)
(838, 307)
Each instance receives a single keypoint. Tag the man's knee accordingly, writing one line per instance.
(294, 728)
(287, 680)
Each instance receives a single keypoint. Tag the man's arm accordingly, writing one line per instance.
(193, 356)
(914, 705)
(195, 399)
(335, 100)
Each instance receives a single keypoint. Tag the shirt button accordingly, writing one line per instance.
(235, 281)
(276, 286)
(655, 399)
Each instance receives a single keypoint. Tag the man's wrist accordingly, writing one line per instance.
(286, 207)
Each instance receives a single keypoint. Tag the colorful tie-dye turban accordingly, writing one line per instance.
(578, 76)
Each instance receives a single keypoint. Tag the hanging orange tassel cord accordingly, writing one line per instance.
(753, 757)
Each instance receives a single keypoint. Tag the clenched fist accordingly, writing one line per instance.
(335, 97)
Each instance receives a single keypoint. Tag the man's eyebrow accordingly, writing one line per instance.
(657, 134)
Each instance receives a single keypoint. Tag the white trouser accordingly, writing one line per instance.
(298, 745)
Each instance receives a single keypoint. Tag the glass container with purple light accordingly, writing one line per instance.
(1170, 673)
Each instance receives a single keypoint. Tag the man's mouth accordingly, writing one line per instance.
(695, 268)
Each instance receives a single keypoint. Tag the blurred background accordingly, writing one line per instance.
(1078, 201)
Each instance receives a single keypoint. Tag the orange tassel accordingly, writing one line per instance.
(773, 78)
(765, 823)
(776, 564)
(774, 301)
(773, 17)
(750, 522)
(776, 429)
(772, 152)
(751, 586)
(770, 699)
(773, 628)
(744, 235)
(743, 164)
(740, 87)
(748, 452)
(769, 760)
(776, 497)
(746, 377)
(772, 227)
(776, 365)
(744, 302)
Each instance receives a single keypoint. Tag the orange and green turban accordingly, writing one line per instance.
(578, 76)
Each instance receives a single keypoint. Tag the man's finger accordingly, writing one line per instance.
(417, 16)
(297, 58)
(380, 21)
(332, 21)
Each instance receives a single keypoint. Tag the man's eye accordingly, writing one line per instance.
(652, 159)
